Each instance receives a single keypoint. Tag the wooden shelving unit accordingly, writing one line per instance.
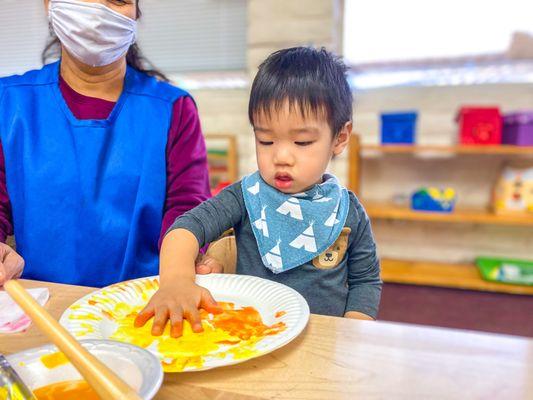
(222, 158)
(459, 276)
(461, 215)
(457, 149)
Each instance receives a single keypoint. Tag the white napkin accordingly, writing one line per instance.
(12, 318)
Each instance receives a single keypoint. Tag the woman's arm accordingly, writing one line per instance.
(187, 173)
(11, 263)
(6, 218)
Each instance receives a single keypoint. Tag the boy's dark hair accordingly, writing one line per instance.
(312, 80)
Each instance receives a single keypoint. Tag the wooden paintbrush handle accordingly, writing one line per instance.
(104, 381)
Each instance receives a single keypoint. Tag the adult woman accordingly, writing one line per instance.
(100, 156)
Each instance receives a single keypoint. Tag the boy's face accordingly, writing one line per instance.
(294, 151)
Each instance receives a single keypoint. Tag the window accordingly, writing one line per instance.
(438, 42)
(23, 34)
(176, 35)
(194, 35)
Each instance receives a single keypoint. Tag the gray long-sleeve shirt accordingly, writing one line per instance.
(347, 279)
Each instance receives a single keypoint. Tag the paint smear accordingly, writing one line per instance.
(232, 334)
(54, 360)
(67, 390)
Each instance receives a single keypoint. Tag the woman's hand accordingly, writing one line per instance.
(208, 265)
(175, 302)
(11, 264)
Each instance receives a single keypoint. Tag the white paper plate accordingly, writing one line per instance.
(137, 367)
(86, 318)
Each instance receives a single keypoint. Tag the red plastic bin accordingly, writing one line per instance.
(480, 125)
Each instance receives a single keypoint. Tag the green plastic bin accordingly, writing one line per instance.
(518, 272)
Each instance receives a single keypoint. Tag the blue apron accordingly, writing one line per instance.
(87, 195)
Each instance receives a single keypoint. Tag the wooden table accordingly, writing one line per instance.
(337, 358)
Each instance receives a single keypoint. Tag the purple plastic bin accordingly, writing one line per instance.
(518, 129)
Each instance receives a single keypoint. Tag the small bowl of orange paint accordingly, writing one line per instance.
(50, 375)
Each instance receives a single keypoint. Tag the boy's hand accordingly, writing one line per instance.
(208, 265)
(175, 303)
(11, 264)
(358, 315)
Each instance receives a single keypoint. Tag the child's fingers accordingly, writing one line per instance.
(209, 265)
(203, 269)
(215, 266)
(144, 316)
(176, 322)
(208, 303)
(193, 316)
(160, 320)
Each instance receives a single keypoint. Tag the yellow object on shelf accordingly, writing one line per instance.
(513, 192)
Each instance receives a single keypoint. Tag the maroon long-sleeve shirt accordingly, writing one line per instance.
(187, 174)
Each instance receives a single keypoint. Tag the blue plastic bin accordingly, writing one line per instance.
(398, 128)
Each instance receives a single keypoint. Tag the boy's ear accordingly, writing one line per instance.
(343, 138)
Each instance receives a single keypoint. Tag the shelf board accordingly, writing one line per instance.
(457, 276)
(454, 149)
(460, 215)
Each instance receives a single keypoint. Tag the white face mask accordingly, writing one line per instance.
(93, 33)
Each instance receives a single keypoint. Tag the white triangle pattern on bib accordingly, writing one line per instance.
(291, 207)
(305, 240)
(273, 259)
(254, 189)
(261, 223)
(332, 219)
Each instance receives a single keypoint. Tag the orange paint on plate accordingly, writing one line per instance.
(67, 390)
(233, 334)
